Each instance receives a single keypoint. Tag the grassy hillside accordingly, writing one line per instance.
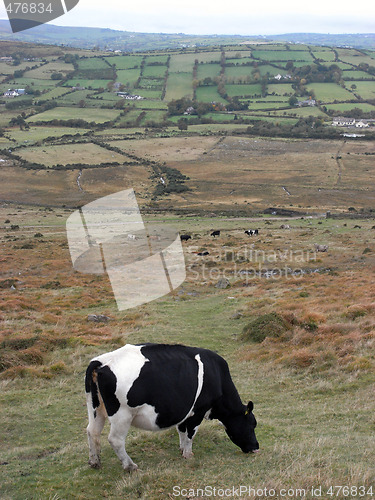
(306, 377)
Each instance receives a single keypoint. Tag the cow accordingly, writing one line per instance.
(251, 232)
(320, 248)
(158, 386)
(185, 237)
(215, 233)
(202, 254)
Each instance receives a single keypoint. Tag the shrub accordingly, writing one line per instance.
(267, 325)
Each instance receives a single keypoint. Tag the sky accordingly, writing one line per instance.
(222, 17)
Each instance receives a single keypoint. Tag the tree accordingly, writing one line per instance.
(82, 103)
(293, 100)
(182, 124)
(56, 76)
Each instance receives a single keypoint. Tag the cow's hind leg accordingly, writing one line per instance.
(186, 431)
(120, 424)
(97, 418)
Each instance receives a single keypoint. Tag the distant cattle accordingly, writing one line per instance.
(185, 237)
(357, 227)
(284, 226)
(202, 254)
(215, 233)
(251, 232)
(320, 248)
(158, 386)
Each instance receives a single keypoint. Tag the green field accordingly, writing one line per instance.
(283, 55)
(154, 71)
(87, 83)
(179, 85)
(128, 77)
(346, 106)
(209, 94)
(352, 75)
(328, 92)
(35, 134)
(244, 90)
(182, 63)
(325, 55)
(280, 89)
(45, 71)
(68, 113)
(92, 63)
(365, 89)
(208, 70)
(149, 93)
(125, 62)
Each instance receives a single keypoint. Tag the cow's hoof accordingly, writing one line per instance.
(131, 468)
(95, 465)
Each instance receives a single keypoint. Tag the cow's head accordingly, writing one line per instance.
(241, 429)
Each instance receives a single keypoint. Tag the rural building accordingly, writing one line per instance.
(14, 92)
(362, 124)
(190, 110)
(307, 102)
(340, 121)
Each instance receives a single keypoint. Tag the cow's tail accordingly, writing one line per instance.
(91, 386)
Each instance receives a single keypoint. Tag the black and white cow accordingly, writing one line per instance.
(215, 233)
(251, 232)
(157, 386)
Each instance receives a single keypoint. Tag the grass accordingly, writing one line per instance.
(208, 70)
(35, 134)
(77, 153)
(364, 89)
(154, 71)
(179, 85)
(183, 63)
(125, 62)
(86, 83)
(244, 90)
(318, 371)
(67, 113)
(328, 92)
(346, 106)
(209, 94)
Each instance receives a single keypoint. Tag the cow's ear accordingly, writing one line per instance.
(249, 408)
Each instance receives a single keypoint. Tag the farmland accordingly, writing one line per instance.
(218, 141)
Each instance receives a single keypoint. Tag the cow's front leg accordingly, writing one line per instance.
(120, 424)
(186, 431)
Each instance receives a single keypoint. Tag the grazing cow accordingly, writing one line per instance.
(202, 254)
(215, 233)
(251, 232)
(185, 237)
(320, 248)
(157, 386)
